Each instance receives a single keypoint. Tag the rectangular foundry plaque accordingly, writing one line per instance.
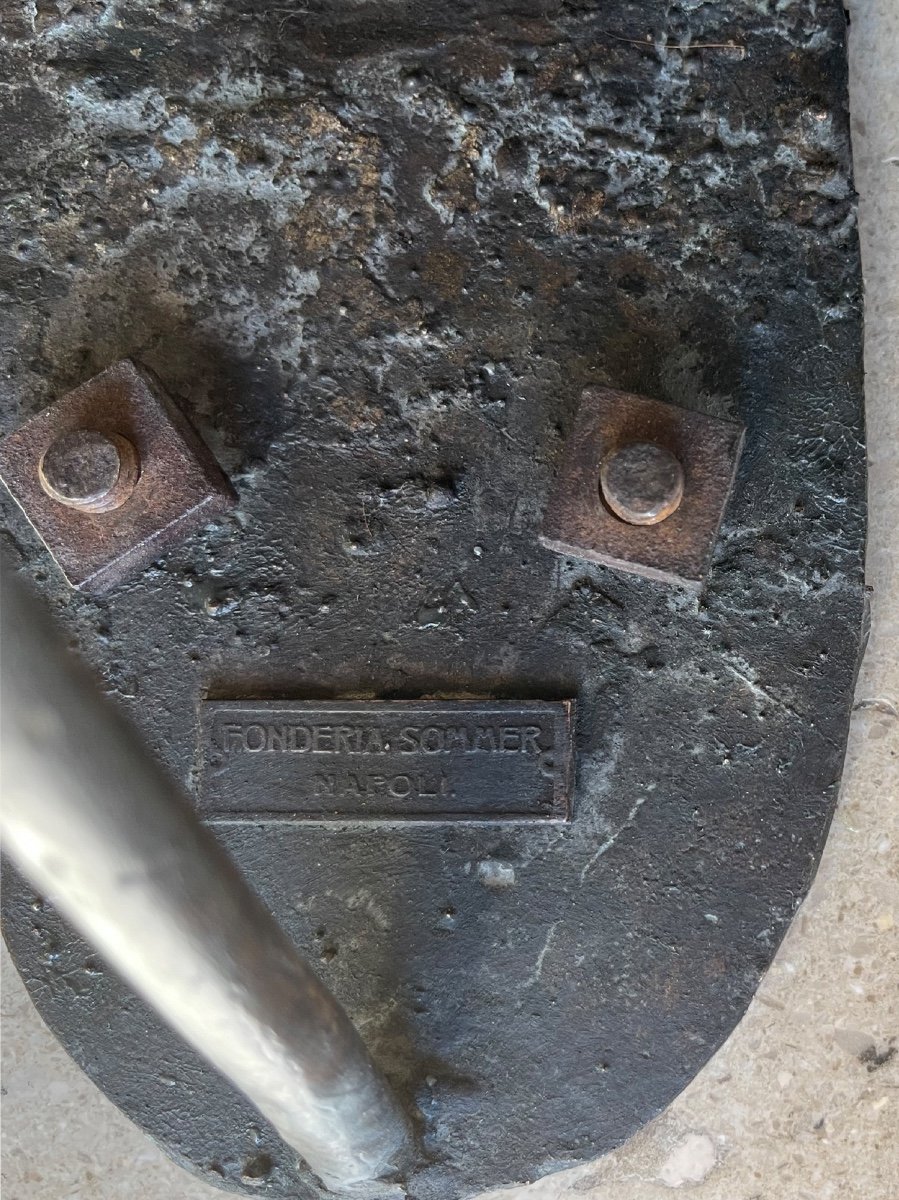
(429, 760)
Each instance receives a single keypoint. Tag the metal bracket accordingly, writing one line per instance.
(677, 547)
(98, 531)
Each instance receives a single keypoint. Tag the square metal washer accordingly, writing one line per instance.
(577, 521)
(180, 488)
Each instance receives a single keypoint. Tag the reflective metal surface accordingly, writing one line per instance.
(95, 824)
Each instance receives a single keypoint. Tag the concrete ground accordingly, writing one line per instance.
(802, 1102)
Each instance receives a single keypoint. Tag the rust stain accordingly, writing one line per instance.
(678, 549)
(180, 488)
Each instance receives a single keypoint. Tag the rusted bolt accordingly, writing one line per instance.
(642, 483)
(65, 466)
(90, 471)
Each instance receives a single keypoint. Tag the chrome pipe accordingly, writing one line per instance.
(93, 822)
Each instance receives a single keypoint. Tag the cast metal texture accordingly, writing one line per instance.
(379, 252)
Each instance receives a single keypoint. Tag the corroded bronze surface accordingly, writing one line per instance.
(378, 251)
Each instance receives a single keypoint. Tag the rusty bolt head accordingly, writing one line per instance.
(642, 483)
(168, 484)
(90, 471)
(580, 523)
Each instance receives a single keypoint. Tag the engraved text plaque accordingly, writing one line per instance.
(444, 760)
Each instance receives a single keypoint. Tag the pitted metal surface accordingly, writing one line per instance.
(378, 253)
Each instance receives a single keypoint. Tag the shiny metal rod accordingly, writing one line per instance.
(94, 823)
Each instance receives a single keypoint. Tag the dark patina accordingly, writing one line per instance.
(378, 253)
(401, 761)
